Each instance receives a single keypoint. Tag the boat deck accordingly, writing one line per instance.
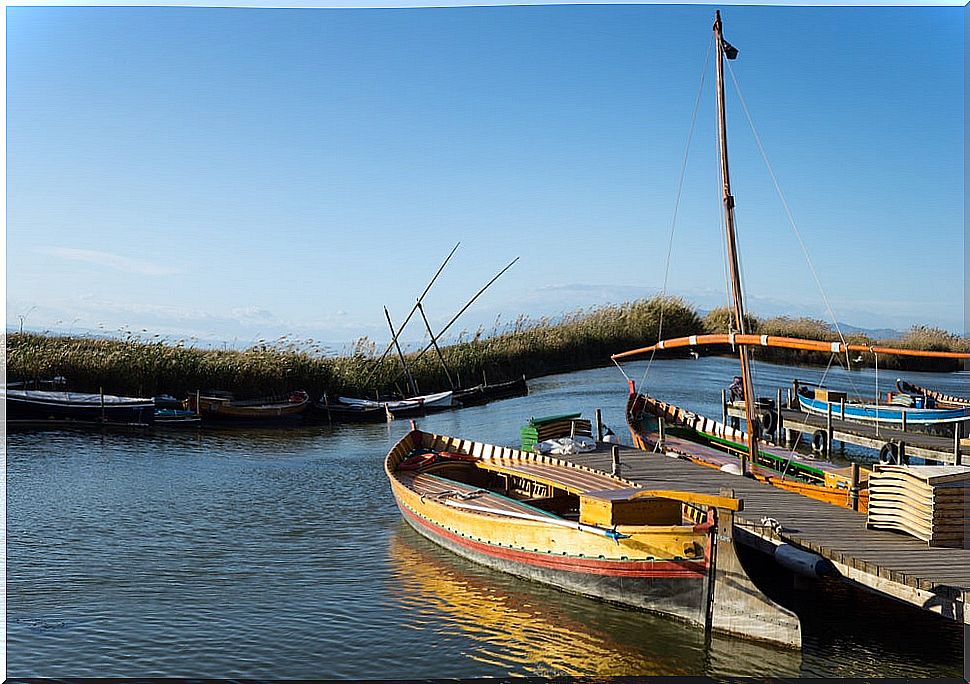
(921, 444)
(934, 579)
(435, 487)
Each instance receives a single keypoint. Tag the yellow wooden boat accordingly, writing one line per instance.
(554, 522)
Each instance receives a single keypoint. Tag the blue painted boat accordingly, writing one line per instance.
(819, 401)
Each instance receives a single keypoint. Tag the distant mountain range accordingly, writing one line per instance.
(872, 333)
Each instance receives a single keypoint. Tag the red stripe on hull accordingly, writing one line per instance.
(585, 566)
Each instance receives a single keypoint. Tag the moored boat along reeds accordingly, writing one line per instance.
(580, 340)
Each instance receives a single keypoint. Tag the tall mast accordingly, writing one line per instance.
(725, 49)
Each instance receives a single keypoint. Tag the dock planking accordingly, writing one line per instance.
(891, 563)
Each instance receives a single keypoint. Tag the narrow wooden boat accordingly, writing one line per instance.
(486, 392)
(439, 401)
(819, 401)
(713, 444)
(176, 418)
(550, 521)
(78, 406)
(269, 411)
(938, 398)
(507, 390)
(337, 412)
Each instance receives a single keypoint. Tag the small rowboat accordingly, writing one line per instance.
(271, 411)
(819, 401)
(561, 524)
(938, 398)
(76, 406)
(405, 407)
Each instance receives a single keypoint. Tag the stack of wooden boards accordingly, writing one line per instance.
(928, 502)
(551, 427)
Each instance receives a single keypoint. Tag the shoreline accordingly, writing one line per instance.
(534, 348)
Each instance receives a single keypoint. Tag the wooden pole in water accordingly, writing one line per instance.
(413, 309)
(400, 354)
(435, 343)
(828, 430)
(615, 458)
(724, 48)
(854, 487)
(724, 406)
(779, 427)
(599, 425)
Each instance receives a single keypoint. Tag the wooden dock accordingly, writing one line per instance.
(907, 443)
(889, 563)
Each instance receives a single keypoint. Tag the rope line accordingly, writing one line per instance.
(784, 202)
(673, 220)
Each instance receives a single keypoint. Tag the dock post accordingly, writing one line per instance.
(779, 427)
(901, 457)
(957, 435)
(854, 487)
(599, 425)
(615, 457)
(842, 408)
(724, 411)
(904, 420)
(789, 398)
(828, 430)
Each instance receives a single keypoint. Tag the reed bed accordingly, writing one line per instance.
(530, 347)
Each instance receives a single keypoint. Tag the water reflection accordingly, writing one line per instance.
(518, 627)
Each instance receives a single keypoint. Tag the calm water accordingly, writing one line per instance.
(281, 554)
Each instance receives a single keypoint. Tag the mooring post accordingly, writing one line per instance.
(957, 436)
(828, 430)
(779, 426)
(615, 456)
(842, 408)
(724, 410)
(790, 401)
(902, 458)
(904, 420)
(599, 425)
(854, 487)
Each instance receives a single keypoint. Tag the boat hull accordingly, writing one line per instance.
(256, 413)
(871, 413)
(662, 568)
(43, 405)
(673, 588)
(714, 445)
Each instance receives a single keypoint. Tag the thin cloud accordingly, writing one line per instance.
(113, 261)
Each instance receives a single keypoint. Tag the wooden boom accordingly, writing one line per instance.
(783, 342)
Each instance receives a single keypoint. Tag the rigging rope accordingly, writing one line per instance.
(673, 221)
(784, 202)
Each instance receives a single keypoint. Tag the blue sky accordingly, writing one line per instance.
(236, 174)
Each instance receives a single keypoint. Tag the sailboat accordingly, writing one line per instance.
(655, 425)
(582, 530)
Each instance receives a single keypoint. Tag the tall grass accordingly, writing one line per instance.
(582, 339)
